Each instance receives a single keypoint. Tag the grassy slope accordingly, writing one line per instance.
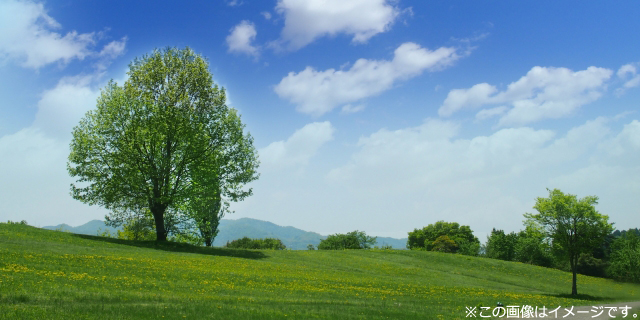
(51, 275)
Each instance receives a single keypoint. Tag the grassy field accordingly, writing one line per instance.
(55, 275)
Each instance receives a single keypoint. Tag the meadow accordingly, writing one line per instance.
(56, 275)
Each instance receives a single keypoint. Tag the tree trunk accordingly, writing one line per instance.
(158, 216)
(207, 241)
(574, 267)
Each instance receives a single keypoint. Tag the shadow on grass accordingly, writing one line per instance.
(180, 247)
(578, 297)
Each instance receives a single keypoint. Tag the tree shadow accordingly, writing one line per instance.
(578, 297)
(180, 247)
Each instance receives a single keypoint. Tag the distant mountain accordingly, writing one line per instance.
(91, 228)
(245, 227)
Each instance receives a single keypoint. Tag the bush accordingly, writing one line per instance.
(23, 222)
(625, 258)
(591, 266)
(139, 228)
(352, 240)
(248, 243)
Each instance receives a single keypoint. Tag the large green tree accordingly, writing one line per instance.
(573, 225)
(165, 140)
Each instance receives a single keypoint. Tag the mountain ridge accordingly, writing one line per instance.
(231, 229)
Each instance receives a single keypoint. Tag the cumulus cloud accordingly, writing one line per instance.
(629, 74)
(240, 38)
(347, 109)
(308, 20)
(298, 148)
(544, 92)
(234, 3)
(26, 35)
(318, 92)
(109, 52)
(490, 113)
(62, 107)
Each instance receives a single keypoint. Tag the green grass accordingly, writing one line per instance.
(55, 275)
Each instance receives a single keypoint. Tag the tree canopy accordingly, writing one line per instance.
(427, 238)
(165, 141)
(573, 225)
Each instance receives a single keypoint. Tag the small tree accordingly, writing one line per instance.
(501, 246)
(573, 225)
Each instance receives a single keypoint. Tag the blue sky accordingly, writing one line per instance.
(376, 115)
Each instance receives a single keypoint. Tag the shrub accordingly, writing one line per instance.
(248, 243)
(352, 240)
(23, 222)
(625, 258)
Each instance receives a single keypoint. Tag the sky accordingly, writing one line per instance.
(374, 115)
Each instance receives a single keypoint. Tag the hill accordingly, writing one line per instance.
(90, 228)
(293, 238)
(57, 275)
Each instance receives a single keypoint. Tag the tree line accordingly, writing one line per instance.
(566, 233)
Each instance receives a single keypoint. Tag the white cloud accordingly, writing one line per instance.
(114, 48)
(298, 148)
(62, 107)
(109, 52)
(629, 74)
(240, 38)
(308, 20)
(318, 92)
(544, 92)
(347, 109)
(26, 35)
(234, 3)
(266, 15)
(626, 69)
(475, 96)
(490, 113)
